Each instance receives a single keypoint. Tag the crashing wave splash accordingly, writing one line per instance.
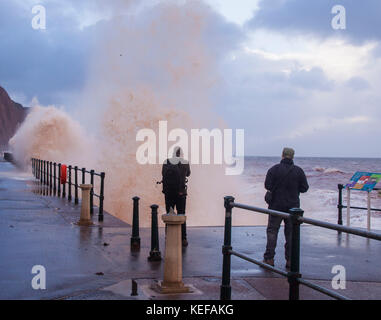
(328, 170)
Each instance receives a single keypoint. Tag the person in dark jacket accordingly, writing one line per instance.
(285, 181)
(175, 196)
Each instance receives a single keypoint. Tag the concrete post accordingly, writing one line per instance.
(173, 267)
(85, 219)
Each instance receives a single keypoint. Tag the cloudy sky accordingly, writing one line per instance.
(288, 78)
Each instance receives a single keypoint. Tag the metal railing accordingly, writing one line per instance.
(49, 174)
(340, 207)
(294, 276)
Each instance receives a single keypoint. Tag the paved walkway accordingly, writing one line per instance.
(96, 262)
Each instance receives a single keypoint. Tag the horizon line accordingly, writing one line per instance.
(304, 156)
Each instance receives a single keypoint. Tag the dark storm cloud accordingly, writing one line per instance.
(53, 63)
(314, 17)
(42, 63)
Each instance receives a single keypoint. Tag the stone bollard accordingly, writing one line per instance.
(85, 219)
(173, 267)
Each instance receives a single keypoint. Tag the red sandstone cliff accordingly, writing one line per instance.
(11, 116)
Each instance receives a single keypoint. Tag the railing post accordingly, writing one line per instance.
(101, 197)
(69, 185)
(340, 205)
(154, 254)
(44, 190)
(55, 179)
(50, 177)
(43, 172)
(92, 192)
(41, 169)
(294, 273)
(135, 239)
(369, 207)
(134, 288)
(46, 172)
(47, 177)
(348, 206)
(42, 177)
(83, 175)
(76, 185)
(225, 293)
(59, 179)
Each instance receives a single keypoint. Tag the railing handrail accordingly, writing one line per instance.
(260, 210)
(361, 208)
(318, 223)
(350, 230)
(294, 276)
(43, 170)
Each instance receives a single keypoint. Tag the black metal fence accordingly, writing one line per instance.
(294, 276)
(340, 205)
(50, 175)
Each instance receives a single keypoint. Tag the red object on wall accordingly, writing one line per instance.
(63, 173)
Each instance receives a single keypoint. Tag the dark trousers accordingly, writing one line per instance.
(177, 202)
(272, 236)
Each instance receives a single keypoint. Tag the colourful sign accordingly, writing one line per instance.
(364, 181)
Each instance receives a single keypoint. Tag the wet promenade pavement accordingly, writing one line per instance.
(96, 262)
